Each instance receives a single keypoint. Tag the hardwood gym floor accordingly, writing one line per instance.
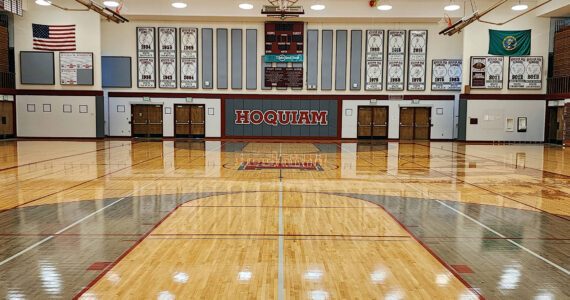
(118, 219)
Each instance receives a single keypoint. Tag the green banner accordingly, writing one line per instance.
(508, 43)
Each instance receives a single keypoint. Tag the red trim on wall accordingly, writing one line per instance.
(429, 97)
(8, 91)
(561, 96)
(59, 92)
(277, 96)
(504, 96)
(223, 116)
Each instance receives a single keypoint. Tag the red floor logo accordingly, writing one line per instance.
(303, 162)
(282, 117)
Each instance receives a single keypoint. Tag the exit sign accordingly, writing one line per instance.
(372, 100)
(416, 101)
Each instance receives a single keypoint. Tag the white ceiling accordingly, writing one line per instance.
(339, 10)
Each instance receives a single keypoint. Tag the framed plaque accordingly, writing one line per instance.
(446, 74)
(395, 72)
(374, 60)
(525, 72)
(486, 72)
(146, 57)
(167, 57)
(374, 75)
(374, 44)
(188, 58)
(76, 68)
(417, 56)
(188, 73)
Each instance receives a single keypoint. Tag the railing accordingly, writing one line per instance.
(558, 85)
(7, 80)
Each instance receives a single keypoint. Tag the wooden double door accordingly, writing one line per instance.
(189, 120)
(555, 124)
(415, 123)
(372, 122)
(6, 119)
(146, 120)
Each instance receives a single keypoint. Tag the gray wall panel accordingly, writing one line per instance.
(207, 58)
(312, 58)
(355, 59)
(100, 116)
(237, 58)
(222, 57)
(462, 122)
(116, 71)
(251, 59)
(232, 129)
(333, 117)
(315, 105)
(37, 67)
(340, 65)
(326, 61)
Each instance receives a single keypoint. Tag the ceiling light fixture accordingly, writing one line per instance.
(246, 6)
(452, 6)
(111, 3)
(317, 7)
(43, 2)
(519, 6)
(384, 7)
(179, 4)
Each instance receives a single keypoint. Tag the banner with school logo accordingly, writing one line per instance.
(188, 58)
(146, 57)
(167, 57)
(417, 56)
(509, 43)
(486, 72)
(446, 74)
(374, 60)
(396, 58)
(525, 72)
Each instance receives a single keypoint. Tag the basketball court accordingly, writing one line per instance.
(282, 149)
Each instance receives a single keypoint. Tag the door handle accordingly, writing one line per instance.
(202, 123)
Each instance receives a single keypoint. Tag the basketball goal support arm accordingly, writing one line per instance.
(103, 11)
(458, 26)
(515, 17)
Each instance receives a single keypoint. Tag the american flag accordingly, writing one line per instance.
(54, 37)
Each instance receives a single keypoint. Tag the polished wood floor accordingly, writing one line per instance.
(121, 219)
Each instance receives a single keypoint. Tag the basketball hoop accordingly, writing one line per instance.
(445, 21)
(118, 9)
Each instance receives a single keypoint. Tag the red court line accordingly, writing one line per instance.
(449, 268)
(271, 206)
(112, 265)
(278, 235)
(81, 183)
(504, 163)
(67, 156)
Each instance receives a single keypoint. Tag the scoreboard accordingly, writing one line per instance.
(284, 37)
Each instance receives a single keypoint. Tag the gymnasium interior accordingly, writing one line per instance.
(285, 149)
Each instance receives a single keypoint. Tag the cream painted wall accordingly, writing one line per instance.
(56, 123)
(492, 115)
(88, 38)
(119, 121)
(120, 40)
(443, 126)
(476, 43)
